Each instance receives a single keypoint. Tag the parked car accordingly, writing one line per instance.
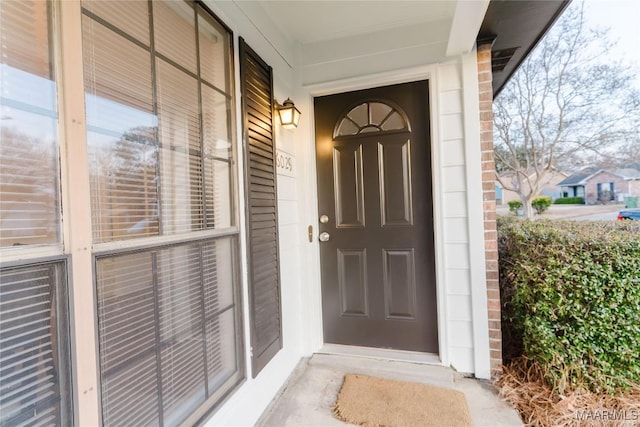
(629, 214)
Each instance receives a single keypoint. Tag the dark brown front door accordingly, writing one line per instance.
(374, 187)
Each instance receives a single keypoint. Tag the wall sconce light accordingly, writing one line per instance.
(289, 114)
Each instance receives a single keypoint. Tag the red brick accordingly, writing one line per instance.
(490, 196)
(494, 315)
(484, 55)
(493, 283)
(484, 74)
(486, 115)
(484, 67)
(486, 105)
(491, 257)
(495, 334)
(485, 87)
(490, 234)
(489, 176)
(487, 156)
(491, 244)
(488, 185)
(493, 305)
(486, 96)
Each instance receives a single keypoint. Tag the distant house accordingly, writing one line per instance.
(574, 184)
(600, 186)
(549, 188)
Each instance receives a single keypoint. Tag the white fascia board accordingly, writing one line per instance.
(465, 25)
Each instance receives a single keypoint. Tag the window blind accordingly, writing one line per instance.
(257, 103)
(159, 120)
(167, 324)
(34, 369)
(29, 206)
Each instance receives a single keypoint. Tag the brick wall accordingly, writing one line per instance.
(489, 200)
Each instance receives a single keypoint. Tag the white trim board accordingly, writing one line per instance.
(381, 353)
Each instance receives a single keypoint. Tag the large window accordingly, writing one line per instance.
(34, 347)
(158, 101)
(143, 228)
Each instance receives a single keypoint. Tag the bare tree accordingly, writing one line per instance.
(566, 100)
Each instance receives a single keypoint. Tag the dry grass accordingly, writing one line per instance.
(522, 384)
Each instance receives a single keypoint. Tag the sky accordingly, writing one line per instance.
(622, 17)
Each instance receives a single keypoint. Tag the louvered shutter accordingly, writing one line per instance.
(264, 287)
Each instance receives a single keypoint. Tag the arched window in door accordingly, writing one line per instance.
(371, 116)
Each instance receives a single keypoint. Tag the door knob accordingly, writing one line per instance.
(324, 236)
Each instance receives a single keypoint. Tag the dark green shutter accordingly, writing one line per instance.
(262, 211)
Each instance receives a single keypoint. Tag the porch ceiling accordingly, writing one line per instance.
(338, 39)
(314, 21)
(331, 40)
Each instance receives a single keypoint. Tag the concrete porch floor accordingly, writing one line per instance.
(307, 398)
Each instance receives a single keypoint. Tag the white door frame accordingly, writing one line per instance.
(315, 338)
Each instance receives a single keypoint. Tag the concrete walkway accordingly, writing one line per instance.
(307, 398)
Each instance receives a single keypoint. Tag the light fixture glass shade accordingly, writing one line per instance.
(289, 115)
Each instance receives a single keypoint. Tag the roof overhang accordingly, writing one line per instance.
(516, 27)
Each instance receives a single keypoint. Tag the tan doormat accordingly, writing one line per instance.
(376, 402)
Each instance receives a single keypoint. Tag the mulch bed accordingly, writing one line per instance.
(522, 385)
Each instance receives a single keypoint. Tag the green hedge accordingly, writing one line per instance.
(514, 205)
(571, 299)
(569, 201)
(541, 204)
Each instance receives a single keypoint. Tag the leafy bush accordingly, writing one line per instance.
(569, 201)
(571, 300)
(541, 204)
(514, 205)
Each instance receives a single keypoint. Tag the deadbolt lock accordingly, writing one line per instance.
(324, 219)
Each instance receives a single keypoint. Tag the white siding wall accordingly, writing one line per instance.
(454, 206)
(455, 228)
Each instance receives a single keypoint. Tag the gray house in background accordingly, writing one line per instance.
(574, 184)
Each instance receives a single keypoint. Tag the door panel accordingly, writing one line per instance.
(352, 277)
(374, 184)
(347, 180)
(394, 170)
(399, 284)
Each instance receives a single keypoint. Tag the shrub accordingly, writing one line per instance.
(571, 300)
(514, 205)
(541, 203)
(569, 201)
